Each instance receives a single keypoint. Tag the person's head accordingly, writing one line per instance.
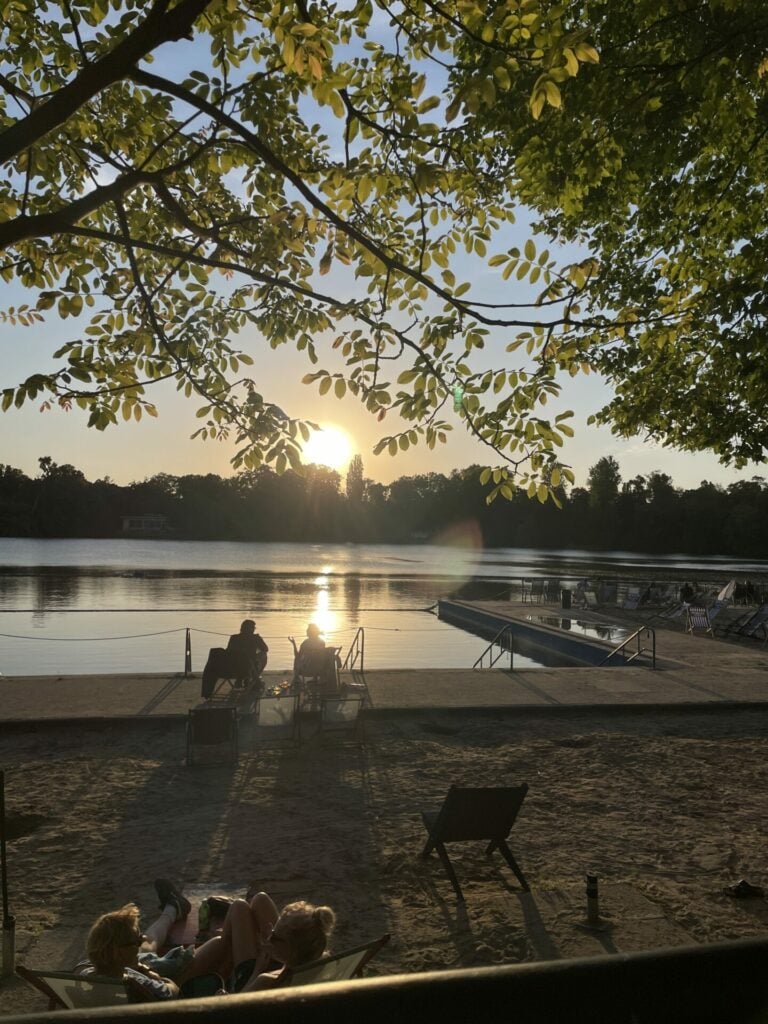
(114, 940)
(313, 631)
(301, 933)
(248, 627)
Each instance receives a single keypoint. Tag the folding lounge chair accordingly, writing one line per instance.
(748, 624)
(756, 626)
(68, 991)
(275, 717)
(486, 814)
(318, 673)
(219, 673)
(212, 726)
(697, 620)
(343, 714)
(339, 967)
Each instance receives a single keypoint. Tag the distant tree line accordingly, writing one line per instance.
(646, 513)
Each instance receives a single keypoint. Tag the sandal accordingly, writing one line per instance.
(743, 890)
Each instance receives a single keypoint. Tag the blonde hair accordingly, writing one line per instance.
(308, 930)
(110, 931)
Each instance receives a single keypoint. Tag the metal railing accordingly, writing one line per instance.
(355, 659)
(637, 635)
(504, 634)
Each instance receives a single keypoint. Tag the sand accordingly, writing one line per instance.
(666, 808)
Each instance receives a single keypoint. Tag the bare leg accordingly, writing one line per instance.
(264, 914)
(242, 937)
(157, 932)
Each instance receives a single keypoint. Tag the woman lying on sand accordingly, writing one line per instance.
(256, 950)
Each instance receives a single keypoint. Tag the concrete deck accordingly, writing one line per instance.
(693, 670)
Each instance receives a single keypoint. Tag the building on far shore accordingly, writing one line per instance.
(147, 524)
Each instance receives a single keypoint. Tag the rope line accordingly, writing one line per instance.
(89, 639)
(207, 611)
(194, 629)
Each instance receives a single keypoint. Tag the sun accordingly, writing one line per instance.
(329, 446)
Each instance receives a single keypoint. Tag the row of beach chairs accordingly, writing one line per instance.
(66, 990)
(213, 726)
(752, 624)
(468, 814)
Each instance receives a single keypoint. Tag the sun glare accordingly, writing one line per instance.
(329, 446)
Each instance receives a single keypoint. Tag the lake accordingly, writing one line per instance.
(112, 606)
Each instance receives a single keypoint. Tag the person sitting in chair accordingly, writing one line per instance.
(313, 658)
(117, 948)
(247, 653)
(258, 947)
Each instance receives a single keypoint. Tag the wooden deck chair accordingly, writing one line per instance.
(318, 673)
(342, 714)
(756, 626)
(340, 966)
(471, 813)
(219, 674)
(212, 726)
(752, 623)
(67, 991)
(275, 717)
(697, 620)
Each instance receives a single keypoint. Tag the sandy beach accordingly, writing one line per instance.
(666, 808)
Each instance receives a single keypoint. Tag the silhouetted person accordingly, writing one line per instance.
(247, 653)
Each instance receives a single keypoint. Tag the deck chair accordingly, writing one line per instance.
(219, 673)
(756, 625)
(340, 967)
(471, 813)
(318, 673)
(342, 714)
(751, 624)
(67, 991)
(274, 717)
(697, 620)
(209, 726)
(632, 599)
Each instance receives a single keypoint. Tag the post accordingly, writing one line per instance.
(188, 653)
(9, 921)
(593, 902)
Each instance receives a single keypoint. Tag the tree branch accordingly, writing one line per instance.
(160, 26)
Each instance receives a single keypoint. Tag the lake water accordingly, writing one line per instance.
(91, 606)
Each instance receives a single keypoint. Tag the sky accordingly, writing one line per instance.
(136, 451)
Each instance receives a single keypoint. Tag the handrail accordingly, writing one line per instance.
(640, 650)
(356, 652)
(506, 633)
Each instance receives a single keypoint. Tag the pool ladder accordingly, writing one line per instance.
(355, 659)
(650, 632)
(502, 640)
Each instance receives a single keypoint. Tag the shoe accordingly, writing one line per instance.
(743, 890)
(167, 893)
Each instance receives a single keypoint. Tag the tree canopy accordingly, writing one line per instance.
(647, 513)
(183, 174)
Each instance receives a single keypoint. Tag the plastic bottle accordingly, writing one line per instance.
(204, 916)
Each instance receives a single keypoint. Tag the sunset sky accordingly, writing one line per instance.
(134, 451)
